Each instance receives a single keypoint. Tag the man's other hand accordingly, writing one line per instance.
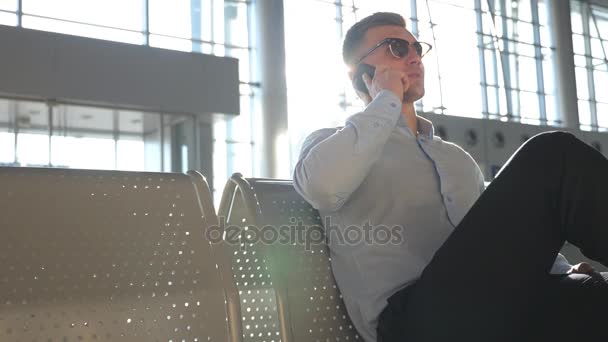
(582, 268)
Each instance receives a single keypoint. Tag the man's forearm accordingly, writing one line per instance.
(331, 169)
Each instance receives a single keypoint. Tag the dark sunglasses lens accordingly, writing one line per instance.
(419, 48)
(398, 48)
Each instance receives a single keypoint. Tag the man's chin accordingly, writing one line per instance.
(413, 96)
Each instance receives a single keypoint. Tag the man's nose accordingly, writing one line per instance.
(412, 57)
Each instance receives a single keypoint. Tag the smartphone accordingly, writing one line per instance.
(358, 82)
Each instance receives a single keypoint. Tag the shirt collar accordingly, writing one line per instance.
(425, 127)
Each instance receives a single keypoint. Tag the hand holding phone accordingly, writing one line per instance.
(381, 77)
(358, 81)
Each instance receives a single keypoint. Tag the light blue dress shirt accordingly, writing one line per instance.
(374, 172)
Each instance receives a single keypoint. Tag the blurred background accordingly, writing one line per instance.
(500, 71)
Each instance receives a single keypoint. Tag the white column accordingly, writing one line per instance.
(565, 77)
(269, 44)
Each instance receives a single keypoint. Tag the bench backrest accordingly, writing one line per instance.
(290, 247)
(107, 255)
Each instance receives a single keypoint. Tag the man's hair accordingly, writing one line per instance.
(354, 36)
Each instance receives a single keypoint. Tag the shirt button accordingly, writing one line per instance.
(449, 199)
(394, 105)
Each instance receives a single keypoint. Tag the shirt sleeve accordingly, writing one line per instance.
(333, 165)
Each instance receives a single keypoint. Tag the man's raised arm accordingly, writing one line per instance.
(334, 162)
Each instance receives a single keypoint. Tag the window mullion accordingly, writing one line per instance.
(506, 68)
(539, 62)
(585, 12)
(482, 60)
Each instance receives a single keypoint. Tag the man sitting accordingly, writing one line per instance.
(468, 264)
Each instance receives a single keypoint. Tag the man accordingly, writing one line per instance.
(471, 265)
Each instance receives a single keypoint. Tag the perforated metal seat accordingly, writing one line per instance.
(109, 256)
(309, 306)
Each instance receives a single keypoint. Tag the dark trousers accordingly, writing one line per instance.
(490, 280)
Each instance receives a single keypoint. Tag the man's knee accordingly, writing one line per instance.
(551, 143)
(553, 139)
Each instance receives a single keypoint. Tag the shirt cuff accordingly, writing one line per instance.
(386, 105)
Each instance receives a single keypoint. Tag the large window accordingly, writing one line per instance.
(491, 59)
(118, 20)
(55, 135)
(220, 27)
(8, 15)
(590, 42)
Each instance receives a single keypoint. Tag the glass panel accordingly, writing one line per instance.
(516, 103)
(218, 14)
(527, 74)
(179, 146)
(84, 30)
(490, 59)
(545, 36)
(523, 49)
(551, 108)
(529, 105)
(170, 18)
(152, 137)
(369, 7)
(582, 85)
(126, 14)
(602, 114)
(7, 151)
(599, 64)
(130, 146)
(239, 158)
(32, 149)
(179, 44)
(597, 50)
(456, 31)
(31, 122)
(584, 113)
(522, 10)
(548, 76)
(492, 101)
(601, 16)
(9, 19)
(83, 137)
(304, 69)
(543, 20)
(577, 19)
(578, 44)
(601, 85)
(239, 127)
(235, 16)
(7, 135)
(524, 33)
(130, 154)
(243, 56)
(8, 5)
(83, 152)
(220, 160)
(502, 100)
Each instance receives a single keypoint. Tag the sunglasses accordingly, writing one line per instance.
(399, 48)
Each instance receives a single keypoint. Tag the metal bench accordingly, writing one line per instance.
(287, 288)
(110, 256)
